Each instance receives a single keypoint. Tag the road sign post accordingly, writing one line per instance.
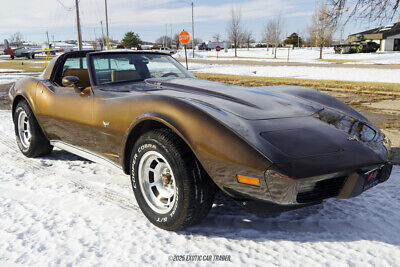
(187, 66)
(289, 47)
(184, 38)
(218, 48)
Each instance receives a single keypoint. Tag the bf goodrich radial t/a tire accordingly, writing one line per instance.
(171, 188)
(30, 138)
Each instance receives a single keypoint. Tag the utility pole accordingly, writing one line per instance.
(48, 40)
(107, 32)
(166, 35)
(102, 36)
(171, 35)
(193, 28)
(78, 25)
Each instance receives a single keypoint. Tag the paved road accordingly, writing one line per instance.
(298, 64)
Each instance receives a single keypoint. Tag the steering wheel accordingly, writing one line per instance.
(170, 74)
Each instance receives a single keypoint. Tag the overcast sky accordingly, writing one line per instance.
(149, 18)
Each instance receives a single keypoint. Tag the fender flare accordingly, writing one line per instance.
(157, 118)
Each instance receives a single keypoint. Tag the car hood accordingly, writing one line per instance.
(248, 103)
(287, 124)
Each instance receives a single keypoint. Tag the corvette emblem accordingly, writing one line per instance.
(106, 124)
(352, 138)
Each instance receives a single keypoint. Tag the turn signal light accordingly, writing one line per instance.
(277, 174)
(248, 180)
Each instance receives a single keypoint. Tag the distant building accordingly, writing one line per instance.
(388, 37)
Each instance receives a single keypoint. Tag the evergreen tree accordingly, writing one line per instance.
(294, 40)
(131, 40)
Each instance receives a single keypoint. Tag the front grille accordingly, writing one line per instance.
(322, 190)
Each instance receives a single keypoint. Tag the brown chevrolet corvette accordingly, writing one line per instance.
(181, 139)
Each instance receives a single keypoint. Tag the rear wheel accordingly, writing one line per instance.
(30, 138)
(170, 186)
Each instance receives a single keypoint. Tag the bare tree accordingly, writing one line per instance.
(267, 35)
(248, 38)
(197, 41)
(163, 41)
(16, 39)
(176, 41)
(235, 32)
(370, 10)
(323, 27)
(217, 37)
(273, 33)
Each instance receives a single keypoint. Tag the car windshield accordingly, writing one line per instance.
(132, 67)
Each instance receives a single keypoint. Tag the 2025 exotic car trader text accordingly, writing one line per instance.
(181, 139)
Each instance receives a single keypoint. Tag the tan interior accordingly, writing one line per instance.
(124, 75)
(82, 74)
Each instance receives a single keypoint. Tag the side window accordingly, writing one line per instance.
(76, 66)
(75, 63)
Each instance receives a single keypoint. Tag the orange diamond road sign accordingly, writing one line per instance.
(184, 37)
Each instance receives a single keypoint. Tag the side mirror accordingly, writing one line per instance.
(71, 81)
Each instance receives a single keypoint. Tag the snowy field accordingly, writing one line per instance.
(64, 210)
(302, 55)
(12, 76)
(317, 73)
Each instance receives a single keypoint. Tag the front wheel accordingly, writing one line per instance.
(30, 138)
(171, 188)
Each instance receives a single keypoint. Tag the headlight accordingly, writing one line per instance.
(367, 134)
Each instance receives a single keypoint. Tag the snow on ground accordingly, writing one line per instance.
(9, 70)
(319, 73)
(12, 77)
(64, 210)
(181, 54)
(303, 55)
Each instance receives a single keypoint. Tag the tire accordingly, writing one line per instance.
(162, 165)
(12, 57)
(33, 56)
(30, 138)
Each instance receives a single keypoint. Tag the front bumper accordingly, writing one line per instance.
(285, 194)
(314, 189)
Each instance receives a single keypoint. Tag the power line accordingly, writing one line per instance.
(65, 7)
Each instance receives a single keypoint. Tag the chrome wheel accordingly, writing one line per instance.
(157, 182)
(24, 130)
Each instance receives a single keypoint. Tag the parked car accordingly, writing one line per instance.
(204, 47)
(167, 50)
(181, 139)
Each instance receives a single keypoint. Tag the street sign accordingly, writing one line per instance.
(184, 37)
(218, 48)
